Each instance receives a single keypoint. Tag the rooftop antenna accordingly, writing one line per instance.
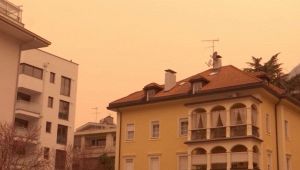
(96, 112)
(210, 62)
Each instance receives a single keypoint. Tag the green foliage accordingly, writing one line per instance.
(107, 162)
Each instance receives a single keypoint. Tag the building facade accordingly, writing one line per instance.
(14, 38)
(46, 98)
(94, 140)
(220, 119)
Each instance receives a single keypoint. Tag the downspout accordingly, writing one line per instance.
(276, 131)
(120, 125)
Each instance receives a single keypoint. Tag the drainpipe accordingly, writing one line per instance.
(119, 148)
(276, 131)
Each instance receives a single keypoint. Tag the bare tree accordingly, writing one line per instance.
(21, 151)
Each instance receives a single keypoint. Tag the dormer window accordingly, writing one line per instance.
(198, 82)
(151, 89)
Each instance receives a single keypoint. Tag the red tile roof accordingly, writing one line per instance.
(226, 77)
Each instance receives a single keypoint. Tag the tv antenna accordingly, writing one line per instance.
(209, 63)
(96, 112)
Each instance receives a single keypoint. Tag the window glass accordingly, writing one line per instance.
(62, 134)
(65, 86)
(183, 126)
(155, 129)
(130, 131)
(63, 110)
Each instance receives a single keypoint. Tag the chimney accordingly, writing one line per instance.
(217, 61)
(170, 79)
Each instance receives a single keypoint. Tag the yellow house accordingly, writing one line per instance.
(220, 119)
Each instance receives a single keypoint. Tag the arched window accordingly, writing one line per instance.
(218, 149)
(199, 151)
(199, 119)
(238, 114)
(239, 148)
(218, 115)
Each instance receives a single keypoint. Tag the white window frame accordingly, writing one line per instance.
(182, 119)
(149, 160)
(127, 132)
(125, 161)
(268, 124)
(178, 160)
(152, 123)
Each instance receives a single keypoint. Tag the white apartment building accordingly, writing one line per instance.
(94, 140)
(46, 98)
(14, 38)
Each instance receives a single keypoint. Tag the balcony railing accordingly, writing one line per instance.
(219, 132)
(199, 134)
(237, 131)
(28, 106)
(255, 131)
(10, 10)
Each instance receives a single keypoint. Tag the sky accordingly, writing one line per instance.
(122, 45)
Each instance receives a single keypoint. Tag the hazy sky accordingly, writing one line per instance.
(121, 45)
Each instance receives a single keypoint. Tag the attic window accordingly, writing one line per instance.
(197, 86)
(150, 93)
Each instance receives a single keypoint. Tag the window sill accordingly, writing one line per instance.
(153, 139)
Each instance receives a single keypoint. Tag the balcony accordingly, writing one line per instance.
(28, 109)
(30, 85)
(255, 131)
(217, 133)
(199, 134)
(238, 131)
(11, 11)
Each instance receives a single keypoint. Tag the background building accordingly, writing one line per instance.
(222, 118)
(46, 98)
(95, 140)
(14, 38)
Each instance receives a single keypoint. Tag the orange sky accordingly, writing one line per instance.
(121, 45)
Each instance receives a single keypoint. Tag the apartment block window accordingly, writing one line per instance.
(154, 163)
(50, 102)
(130, 132)
(269, 161)
(182, 162)
(183, 129)
(65, 87)
(48, 127)
(31, 71)
(46, 153)
(60, 159)
(129, 164)
(52, 77)
(64, 108)
(155, 129)
(286, 128)
(21, 123)
(62, 134)
(268, 124)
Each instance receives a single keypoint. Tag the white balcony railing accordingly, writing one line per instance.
(199, 159)
(239, 157)
(28, 106)
(10, 10)
(219, 158)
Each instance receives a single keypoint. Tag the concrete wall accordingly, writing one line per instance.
(9, 62)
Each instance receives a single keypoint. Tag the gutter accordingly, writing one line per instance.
(276, 131)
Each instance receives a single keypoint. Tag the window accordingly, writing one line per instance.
(288, 162)
(183, 128)
(60, 159)
(268, 125)
(65, 87)
(95, 141)
(269, 160)
(155, 129)
(23, 96)
(182, 162)
(50, 102)
(31, 71)
(21, 123)
(286, 128)
(130, 132)
(63, 110)
(62, 134)
(150, 93)
(46, 153)
(52, 77)
(129, 164)
(154, 163)
(197, 87)
(48, 127)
